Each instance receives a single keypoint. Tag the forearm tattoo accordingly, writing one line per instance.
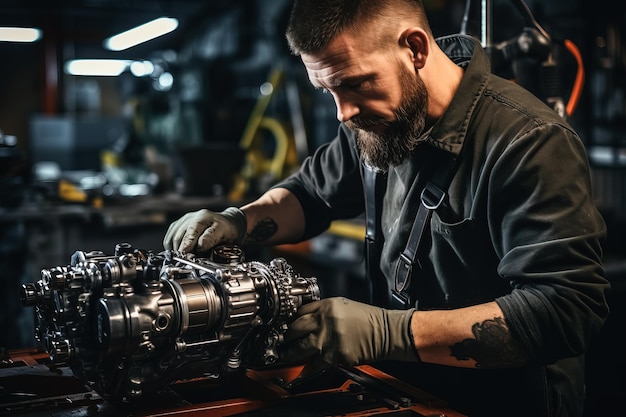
(263, 230)
(492, 347)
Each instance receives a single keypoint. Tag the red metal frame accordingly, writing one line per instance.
(27, 377)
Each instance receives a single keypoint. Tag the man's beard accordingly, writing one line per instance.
(400, 136)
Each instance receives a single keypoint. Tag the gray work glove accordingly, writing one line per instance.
(201, 230)
(339, 331)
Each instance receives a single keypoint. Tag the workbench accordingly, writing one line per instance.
(31, 387)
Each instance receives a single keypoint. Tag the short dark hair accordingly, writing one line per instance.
(313, 24)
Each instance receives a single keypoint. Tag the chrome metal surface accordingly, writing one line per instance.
(130, 323)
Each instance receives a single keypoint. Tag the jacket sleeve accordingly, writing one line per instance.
(328, 184)
(550, 243)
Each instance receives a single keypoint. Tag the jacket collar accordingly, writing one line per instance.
(450, 130)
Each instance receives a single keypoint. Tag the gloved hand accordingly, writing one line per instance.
(201, 230)
(339, 331)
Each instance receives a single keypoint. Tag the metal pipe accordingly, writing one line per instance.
(485, 23)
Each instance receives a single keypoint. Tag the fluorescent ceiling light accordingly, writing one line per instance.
(97, 67)
(141, 68)
(15, 34)
(142, 33)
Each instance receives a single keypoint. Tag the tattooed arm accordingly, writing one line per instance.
(276, 217)
(473, 337)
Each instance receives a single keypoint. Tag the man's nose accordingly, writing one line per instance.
(346, 109)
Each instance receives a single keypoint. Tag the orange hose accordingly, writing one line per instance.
(579, 81)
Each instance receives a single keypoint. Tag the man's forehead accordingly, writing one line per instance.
(340, 58)
(329, 67)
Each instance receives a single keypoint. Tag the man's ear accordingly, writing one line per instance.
(416, 40)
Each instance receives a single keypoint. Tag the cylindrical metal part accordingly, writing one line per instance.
(29, 295)
(200, 305)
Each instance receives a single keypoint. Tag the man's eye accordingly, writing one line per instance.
(354, 85)
(360, 86)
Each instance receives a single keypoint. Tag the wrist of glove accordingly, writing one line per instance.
(338, 331)
(238, 220)
(201, 230)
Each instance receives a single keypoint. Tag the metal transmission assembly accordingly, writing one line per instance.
(131, 323)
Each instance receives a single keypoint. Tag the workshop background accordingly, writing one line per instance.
(90, 161)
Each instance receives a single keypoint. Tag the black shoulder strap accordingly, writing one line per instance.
(374, 185)
(440, 167)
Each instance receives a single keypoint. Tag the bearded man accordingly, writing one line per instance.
(507, 289)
